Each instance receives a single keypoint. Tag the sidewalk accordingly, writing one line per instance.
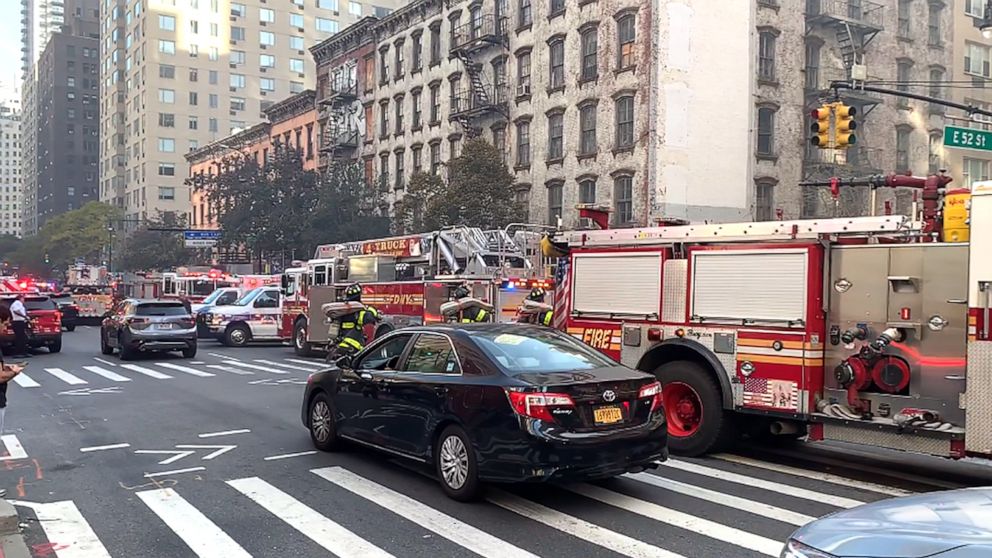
(11, 541)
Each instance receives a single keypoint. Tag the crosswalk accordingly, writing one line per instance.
(106, 372)
(676, 511)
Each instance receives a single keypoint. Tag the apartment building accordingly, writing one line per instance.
(180, 74)
(972, 85)
(10, 170)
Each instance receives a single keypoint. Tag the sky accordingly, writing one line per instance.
(10, 45)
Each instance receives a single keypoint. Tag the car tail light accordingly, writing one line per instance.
(537, 405)
(652, 390)
(138, 323)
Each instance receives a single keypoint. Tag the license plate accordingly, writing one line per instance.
(166, 326)
(607, 415)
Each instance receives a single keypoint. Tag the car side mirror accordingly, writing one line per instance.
(343, 362)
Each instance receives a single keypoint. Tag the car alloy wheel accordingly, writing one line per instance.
(238, 336)
(454, 462)
(320, 421)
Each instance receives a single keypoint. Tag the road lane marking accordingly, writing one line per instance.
(174, 472)
(281, 365)
(197, 362)
(102, 448)
(64, 524)
(146, 371)
(221, 449)
(770, 486)
(200, 534)
(321, 530)
(679, 519)
(176, 455)
(66, 377)
(230, 369)
(102, 361)
(288, 455)
(589, 532)
(107, 374)
(224, 357)
(454, 530)
(14, 448)
(222, 433)
(185, 369)
(25, 381)
(814, 475)
(315, 363)
(254, 366)
(727, 500)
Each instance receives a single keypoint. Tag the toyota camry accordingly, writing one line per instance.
(490, 403)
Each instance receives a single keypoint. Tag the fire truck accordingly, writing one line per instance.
(407, 278)
(874, 330)
(91, 289)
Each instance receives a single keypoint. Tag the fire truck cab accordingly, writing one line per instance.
(871, 330)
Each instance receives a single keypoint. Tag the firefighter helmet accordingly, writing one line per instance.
(353, 293)
(536, 294)
(462, 291)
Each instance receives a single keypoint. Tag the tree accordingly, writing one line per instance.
(80, 234)
(9, 245)
(347, 208)
(422, 195)
(155, 250)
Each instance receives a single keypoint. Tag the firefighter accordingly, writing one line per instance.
(542, 317)
(352, 336)
(474, 313)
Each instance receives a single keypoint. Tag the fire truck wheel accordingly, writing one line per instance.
(237, 335)
(697, 423)
(55, 346)
(300, 344)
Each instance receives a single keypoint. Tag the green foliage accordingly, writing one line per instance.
(423, 196)
(347, 209)
(78, 234)
(155, 250)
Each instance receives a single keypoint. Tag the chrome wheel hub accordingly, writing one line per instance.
(320, 421)
(454, 462)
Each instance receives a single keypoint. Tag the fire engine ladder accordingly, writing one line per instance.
(887, 225)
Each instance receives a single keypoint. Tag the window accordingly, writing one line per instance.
(555, 202)
(327, 25)
(436, 44)
(435, 148)
(167, 145)
(267, 84)
(166, 23)
(417, 114)
(523, 144)
(213, 101)
(590, 67)
(974, 8)
(296, 43)
(556, 133)
(937, 88)
(384, 118)
(214, 30)
(399, 114)
(166, 120)
(193, 123)
(902, 150)
(369, 123)
(398, 181)
(398, 60)
(193, 98)
(525, 17)
(383, 168)
(354, 8)
(587, 129)
(167, 72)
(766, 56)
(766, 131)
(974, 170)
(556, 52)
(237, 33)
(296, 65)
(328, 4)
(213, 77)
(295, 87)
(935, 149)
(432, 354)
(266, 15)
(623, 199)
(194, 75)
(266, 38)
(238, 57)
(166, 193)
(296, 20)
(267, 61)
(166, 47)
(383, 65)
(418, 46)
(523, 73)
(237, 80)
(435, 103)
(625, 40)
(166, 96)
(976, 60)
(904, 18)
(587, 191)
(238, 10)
(385, 355)
(237, 103)
(625, 121)
(903, 70)
(933, 25)
(764, 200)
(813, 66)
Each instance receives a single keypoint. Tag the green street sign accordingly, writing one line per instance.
(967, 138)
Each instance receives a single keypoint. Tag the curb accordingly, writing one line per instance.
(12, 543)
(8, 519)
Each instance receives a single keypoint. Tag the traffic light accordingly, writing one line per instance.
(844, 125)
(821, 126)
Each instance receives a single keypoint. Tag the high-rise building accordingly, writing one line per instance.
(39, 20)
(180, 74)
(10, 170)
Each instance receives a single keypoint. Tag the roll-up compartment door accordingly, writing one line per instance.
(617, 283)
(746, 285)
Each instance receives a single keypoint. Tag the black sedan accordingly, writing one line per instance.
(490, 403)
(69, 309)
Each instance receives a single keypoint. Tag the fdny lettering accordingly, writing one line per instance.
(598, 338)
(390, 298)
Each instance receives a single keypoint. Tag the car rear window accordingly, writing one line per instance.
(545, 350)
(39, 303)
(161, 309)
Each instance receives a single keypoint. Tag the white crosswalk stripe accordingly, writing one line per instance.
(110, 375)
(186, 369)
(321, 530)
(814, 475)
(283, 365)
(200, 534)
(240, 364)
(463, 534)
(62, 521)
(66, 376)
(25, 381)
(316, 365)
(230, 369)
(146, 371)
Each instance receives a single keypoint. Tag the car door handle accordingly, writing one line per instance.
(441, 390)
(957, 301)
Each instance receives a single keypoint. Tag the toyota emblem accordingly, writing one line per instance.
(609, 396)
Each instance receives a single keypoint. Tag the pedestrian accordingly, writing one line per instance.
(7, 373)
(20, 326)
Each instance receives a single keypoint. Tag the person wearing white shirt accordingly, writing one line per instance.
(19, 314)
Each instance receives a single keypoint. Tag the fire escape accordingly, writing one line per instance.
(484, 98)
(339, 135)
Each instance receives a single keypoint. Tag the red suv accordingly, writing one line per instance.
(45, 323)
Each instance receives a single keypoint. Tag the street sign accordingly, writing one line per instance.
(201, 239)
(967, 138)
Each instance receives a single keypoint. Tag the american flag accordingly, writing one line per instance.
(563, 284)
(780, 394)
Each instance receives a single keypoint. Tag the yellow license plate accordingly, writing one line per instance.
(607, 415)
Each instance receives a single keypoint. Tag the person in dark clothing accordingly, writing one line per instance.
(474, 313)
(19, 315)
(7, 373)
(352, 333)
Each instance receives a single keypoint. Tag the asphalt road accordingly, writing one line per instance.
(171, 457)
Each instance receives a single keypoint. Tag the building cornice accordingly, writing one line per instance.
(291, 107)
(350, 39)
(235, 142)
(417, 11)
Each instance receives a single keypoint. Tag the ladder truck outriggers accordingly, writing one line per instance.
(874, 330)
(408, 278)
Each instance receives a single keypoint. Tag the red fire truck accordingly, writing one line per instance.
(873, 330)
(407, 278)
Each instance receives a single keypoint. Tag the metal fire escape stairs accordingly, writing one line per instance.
(483, 97)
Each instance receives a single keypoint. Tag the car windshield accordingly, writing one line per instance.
(249, 296)
(538, 351)
(160, 309)
(39, 303)
(213, 296)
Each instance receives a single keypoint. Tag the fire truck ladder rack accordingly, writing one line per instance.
(887, 225)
